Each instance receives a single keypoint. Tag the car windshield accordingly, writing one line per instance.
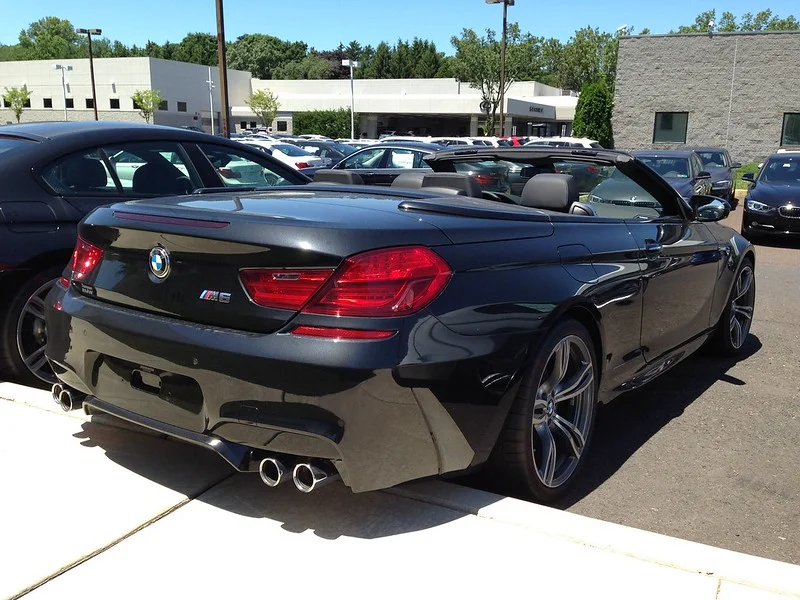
(670, 167)
(289, 150)
(783, 170)
(713, 159)
(345, 148)
(9, 144)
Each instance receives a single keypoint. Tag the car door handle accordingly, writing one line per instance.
(652, 248)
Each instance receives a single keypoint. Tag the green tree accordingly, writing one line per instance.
(331, 123)
(49, 38)
(262, 54)
(401, 66)
(147, 102)
(763, 20)
(593, 113)
(380, 65)
(18, 99)
(312, 66)
(198, 48)
(589, 56)
(477, 62)
(265, 106)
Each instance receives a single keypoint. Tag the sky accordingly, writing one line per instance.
(322, 24)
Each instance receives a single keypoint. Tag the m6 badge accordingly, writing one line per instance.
(215, 296)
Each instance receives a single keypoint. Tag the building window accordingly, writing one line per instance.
(27, 103)
(790, 135)
(253, 124)
(6, 103)
(89, 103)
(164, 105)
(670, 127)
(283, 126)
(70, 103)
(114, 103)
(181, 106)
(48, 102)
(243, 125)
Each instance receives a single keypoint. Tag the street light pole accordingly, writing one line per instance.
(223, 71)
(353, 64)
(63, 68)
(89, 33)
(210, 83)
(506, 4)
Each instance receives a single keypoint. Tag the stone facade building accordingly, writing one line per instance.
(738, 90)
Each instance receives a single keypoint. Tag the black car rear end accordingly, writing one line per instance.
(268, 328)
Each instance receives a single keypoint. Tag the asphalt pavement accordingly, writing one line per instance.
(709, 451)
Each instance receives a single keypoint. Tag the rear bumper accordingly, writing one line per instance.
(343, 401)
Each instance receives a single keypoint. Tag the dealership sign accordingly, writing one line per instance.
(522, 108)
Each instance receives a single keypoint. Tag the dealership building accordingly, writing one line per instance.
(61, 89)
(737, 90)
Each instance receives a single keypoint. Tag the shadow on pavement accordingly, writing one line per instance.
(331, 512)
(629, 421)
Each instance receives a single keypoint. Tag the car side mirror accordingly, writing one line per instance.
(749, 177)
(704, 175)
(709, 209)
(736, 165)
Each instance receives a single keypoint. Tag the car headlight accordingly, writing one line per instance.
(758, 206)
(722, 184)
(595, 198)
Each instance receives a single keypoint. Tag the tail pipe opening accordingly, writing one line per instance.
(273, 472)
(308, 477)
(66, 398)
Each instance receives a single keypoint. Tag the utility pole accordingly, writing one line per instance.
(353, 64)
(506, 4)
(89, 33)
(223, 71)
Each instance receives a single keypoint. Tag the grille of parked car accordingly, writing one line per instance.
(790, 212)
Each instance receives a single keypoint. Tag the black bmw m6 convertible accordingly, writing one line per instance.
(380, 335)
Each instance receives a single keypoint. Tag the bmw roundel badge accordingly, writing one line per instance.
(159, 262)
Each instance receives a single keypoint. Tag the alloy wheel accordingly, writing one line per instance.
(563, 411)
(32, 334)
(742, 301)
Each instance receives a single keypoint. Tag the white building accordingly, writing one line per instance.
(424, 106)
(182, 85)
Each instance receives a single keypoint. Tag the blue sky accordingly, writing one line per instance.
(324, 23)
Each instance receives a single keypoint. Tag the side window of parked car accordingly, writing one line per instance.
(152, 168)
(236, 168)
(370, 158)
(81, 174)
(403, 159)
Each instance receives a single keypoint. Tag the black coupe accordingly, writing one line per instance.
(387, 334)
(53, 174)
(772, 204)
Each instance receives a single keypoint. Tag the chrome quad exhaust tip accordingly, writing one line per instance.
(66, 398)
(56, 392)
(308, 477)
(273, 472)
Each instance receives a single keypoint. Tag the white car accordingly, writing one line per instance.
(566, 142)
(286, 153)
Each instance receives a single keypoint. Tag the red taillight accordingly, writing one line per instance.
(302, 165)
(485, 179)
(383, 283)
(85, 258)
(281, 288)
(339, 333)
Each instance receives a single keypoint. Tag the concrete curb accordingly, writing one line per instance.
(729, 567)
(738, 576)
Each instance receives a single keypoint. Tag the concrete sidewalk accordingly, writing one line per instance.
(91, 510)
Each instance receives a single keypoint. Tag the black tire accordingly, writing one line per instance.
(734, 325)
(32, 332)
(521, 443)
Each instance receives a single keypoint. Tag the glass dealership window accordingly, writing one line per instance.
(671, 127)
(790, 134)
